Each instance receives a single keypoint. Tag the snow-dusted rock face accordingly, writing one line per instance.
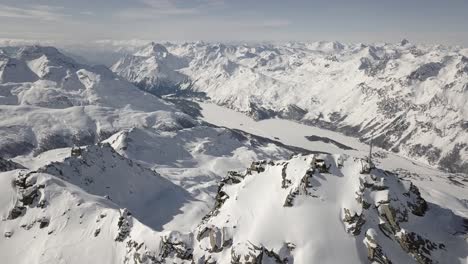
(48, 101)
(412, 99)
(321, 209)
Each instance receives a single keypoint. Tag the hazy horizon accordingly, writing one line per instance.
(66, 21)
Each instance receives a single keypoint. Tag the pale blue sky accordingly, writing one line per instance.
(427, 21)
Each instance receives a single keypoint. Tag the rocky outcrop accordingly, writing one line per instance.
(353, 223)
(392, 203)
(7, 165)
(175, 246)
(29, 194)
(249, 253)
(374, 250)
(124, 225)
(425, 71)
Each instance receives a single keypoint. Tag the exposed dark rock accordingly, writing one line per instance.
(52, 141)
(429, 151)
(16, 212)
(374, 251)
(171, 248)
(138, 253)
(462, 67)
(16, 148)
(260, 113)
(425, 71)
(354, 222)
(8, 234)
(8, 165)
(302, 189)
(97, 231)
(328, 140)
(285, 182)
(292, 112)
(453, 161)
(258, 166)
(321, 165)
(418, 206)
(124, 225)
(186, 106)
(29, 195)
(43, 222)
(419, 247)
(231, 178)
(256, 255)
(289, 201)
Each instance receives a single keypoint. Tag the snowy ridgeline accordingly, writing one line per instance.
(412, 99)
(151, 184)
(48, 101)
(325, 208)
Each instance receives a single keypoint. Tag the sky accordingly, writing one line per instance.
(367, 21)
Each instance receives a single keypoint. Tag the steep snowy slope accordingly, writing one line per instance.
(322, 209)
(49, 101)
(195, 158)
(313, 208)
(411, 99)
(88, 207)
(153, 68)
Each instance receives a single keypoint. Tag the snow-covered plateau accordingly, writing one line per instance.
(214, 153)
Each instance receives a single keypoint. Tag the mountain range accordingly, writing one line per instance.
(233, 153)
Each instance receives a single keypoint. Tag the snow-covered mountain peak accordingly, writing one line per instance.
(405, 42)
(153, 49)
(95, 199)
(36, 51)
(153, 68)
(99, 170)
(323, 204)
(404, 95)
(50, 101)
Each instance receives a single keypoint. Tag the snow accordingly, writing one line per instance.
(70, 103)
(314, 223)
(432, 181)
(118, 174)
(409, 96)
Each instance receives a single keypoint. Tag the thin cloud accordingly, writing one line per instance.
(151, 9)
(87, 13)
(35, 12)
(275, 23)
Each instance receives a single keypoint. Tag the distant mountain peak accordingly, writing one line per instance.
(154, 49)
(404, 42)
